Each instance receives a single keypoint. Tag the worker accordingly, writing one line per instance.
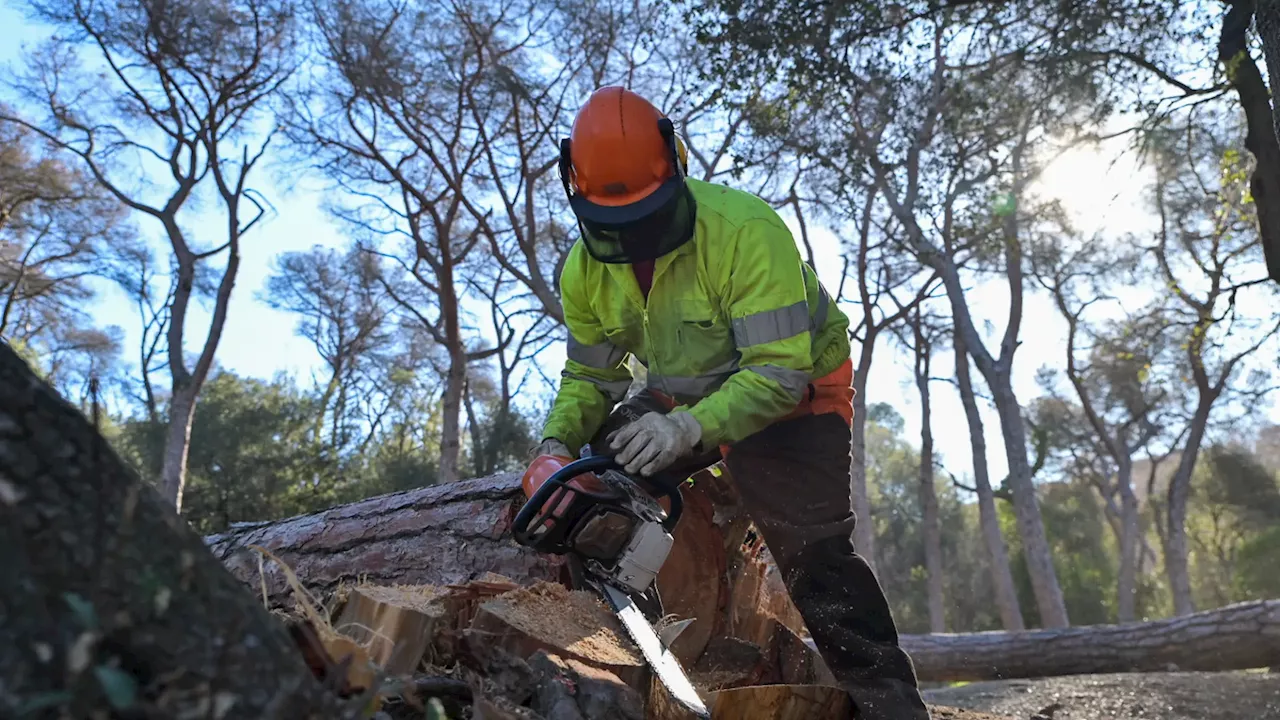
(747, 359)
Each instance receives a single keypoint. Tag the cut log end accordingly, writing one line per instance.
(782, 702)
(398, 624)
(570, 624)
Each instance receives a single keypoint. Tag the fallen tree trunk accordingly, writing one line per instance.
(110, 600)
(439, 535)
(716, 574)
(455, 533)
(1237, 637)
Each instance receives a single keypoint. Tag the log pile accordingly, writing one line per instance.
(494, 649)
(719, 575)
(440, 602)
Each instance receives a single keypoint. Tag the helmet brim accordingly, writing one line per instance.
(622, 211)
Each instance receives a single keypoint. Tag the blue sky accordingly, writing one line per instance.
(259, 341)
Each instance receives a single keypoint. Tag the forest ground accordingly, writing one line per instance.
(1144, 696)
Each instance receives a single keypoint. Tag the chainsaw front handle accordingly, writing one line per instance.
(533, 511)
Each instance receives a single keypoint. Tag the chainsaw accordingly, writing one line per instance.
(616, 537)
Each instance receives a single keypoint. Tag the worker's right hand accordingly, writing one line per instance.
(655, 441)
(551, 446)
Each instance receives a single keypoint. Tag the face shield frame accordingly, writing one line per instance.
(641, 231)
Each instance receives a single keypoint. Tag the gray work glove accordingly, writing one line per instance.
(550, 446)
(655, 441)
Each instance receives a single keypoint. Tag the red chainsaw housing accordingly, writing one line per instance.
(542, 468)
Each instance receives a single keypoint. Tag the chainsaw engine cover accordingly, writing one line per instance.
(640, 562)
(602, 533)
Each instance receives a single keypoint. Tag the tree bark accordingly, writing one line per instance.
(437, 535)
(105, 586)
(1175, 551)
(451, 426)
(177, 443)
(1001, 575)
(928, 495)
(864, 531)
(1267, 19)
(1236, 637)
(1044, 578)
(1130, 535)
(1261, 138)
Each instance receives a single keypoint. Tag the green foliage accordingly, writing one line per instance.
(892, 478)
(58, 229)
(1234, 514)
(119, 686)
(250, 457)
(255, 454)
(884, 415)
(1241, 481)
(1078, 537)
(1257, 578)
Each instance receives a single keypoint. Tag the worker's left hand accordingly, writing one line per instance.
(650, 444)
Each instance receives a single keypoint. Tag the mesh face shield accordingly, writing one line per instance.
(647, 237)
(641, 231)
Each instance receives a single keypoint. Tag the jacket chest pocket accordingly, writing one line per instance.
(704, 340)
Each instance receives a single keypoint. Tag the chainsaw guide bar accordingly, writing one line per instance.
(613, 529)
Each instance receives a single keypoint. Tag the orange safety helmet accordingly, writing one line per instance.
(623, 170)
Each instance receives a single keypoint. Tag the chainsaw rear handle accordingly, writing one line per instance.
(560, 479)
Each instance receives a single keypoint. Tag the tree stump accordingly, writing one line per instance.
(569, 624)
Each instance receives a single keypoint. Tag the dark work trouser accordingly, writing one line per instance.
(793, 478)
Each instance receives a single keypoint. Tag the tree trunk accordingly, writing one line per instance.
(450, 430)
(106, 588)
(1236, 637)
(177, 443)
(1130, 535)
(864, 531)
(928, 496)
(1001, 575)
(1175, 551)
(1267, 19)
(479, 454)
(1044, 578)
(1261, 138)
(436, 535)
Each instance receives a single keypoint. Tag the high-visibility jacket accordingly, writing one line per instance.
(736, 328)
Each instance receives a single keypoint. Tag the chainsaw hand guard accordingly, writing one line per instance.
(562, 518)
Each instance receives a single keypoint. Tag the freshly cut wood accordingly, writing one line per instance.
(776, 600)
(691, 582)
(729, 662)
(1237, 637)
(439, 535)
(759, 598)
(396, 623)
(782, 702)
(570, 624)
(456, 533)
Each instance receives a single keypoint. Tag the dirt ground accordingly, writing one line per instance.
(1151, 696)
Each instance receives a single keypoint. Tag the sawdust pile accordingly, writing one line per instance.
(576, 621)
